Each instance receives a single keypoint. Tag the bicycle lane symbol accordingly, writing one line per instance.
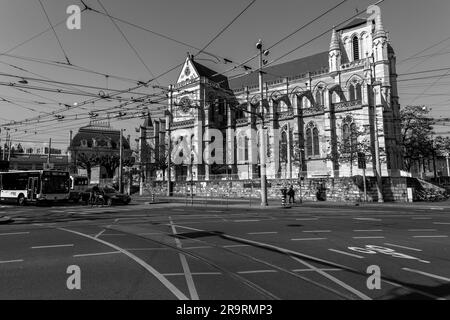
(373, 249)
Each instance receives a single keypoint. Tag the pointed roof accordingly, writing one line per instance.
(206, 72)
(148, 123)
(352, 24)
(379, 29)
(334, 45)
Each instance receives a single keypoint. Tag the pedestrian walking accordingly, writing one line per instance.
(291, 194)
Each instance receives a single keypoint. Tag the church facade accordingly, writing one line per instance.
(321, 114)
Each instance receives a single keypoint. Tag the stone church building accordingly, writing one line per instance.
(320, 113)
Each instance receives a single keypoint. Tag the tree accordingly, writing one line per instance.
(354, 140)
(417, 132)
(442, 146)
(109, 162)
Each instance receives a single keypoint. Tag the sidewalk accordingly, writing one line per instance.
(274, 203)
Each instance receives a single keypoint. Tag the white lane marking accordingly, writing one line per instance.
(11, 261)
(257, 271)
(306, 219)
(200, 247)
(307, 239)
(421, 218)
(236, 245)
(141, 262)
(194, 274)
(441, 222)
(439, 236)
(149, 233)
(113, 234)
(403, 247)
(245, 220)
(13, 233)
(373, 237)
(346, 253)
(145, 249)
(95, 254)
(373, 230)
(427, 274)
(267, 232)
(335, 280)
(187, 271)
(99, 234)
(323, 269)
(53, 246)
(215, 211)
(316, 231)
(368, 219)
(436, 208)
(425, 230)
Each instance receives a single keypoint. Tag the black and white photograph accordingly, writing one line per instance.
(224, 155)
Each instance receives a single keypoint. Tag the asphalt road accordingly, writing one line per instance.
(173, 251)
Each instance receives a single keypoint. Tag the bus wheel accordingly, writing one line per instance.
(21, 200)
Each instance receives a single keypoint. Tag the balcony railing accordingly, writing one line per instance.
(347, 105)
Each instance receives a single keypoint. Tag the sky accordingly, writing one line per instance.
(418, 29)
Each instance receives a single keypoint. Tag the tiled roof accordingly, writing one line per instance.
(354, 23)
(288, 69)
(210, 74)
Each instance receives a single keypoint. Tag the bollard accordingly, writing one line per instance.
(153, 198)
(283, 201)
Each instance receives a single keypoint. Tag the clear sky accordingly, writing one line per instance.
(414, 26)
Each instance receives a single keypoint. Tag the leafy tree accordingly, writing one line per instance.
(417, 132)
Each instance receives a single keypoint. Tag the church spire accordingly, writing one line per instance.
(379, 29)
(334, 45)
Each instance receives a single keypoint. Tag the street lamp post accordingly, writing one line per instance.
(261, 131)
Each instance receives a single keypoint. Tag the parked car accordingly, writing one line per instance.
(111, 196)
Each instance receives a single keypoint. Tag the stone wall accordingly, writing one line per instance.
(346, 189)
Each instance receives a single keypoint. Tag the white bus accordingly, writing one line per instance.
(34, 186)
(78, 185)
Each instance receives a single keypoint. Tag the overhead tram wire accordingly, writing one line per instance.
(128, 42)
(54, 32)
(242, 64)
(223, 29)
(73, 67)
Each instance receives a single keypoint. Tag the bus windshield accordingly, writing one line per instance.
(55, 182)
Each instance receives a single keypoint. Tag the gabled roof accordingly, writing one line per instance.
(354, 23)
(288, 69)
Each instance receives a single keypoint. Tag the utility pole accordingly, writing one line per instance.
(120, 161)
(169, 141)
(377, 159)
(9, 146)
(49, 151)
(261, 131)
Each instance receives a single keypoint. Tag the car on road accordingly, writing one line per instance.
(111, 196)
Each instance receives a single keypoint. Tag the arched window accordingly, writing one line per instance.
(319, 97)
(358, 91)
(246, 141)
(283, 147)
(309, 142)
(346, 134)
(241, 148)
(312, 140)
(351, 92)
(316, 142)
(353, 135)
(355, 42)
(305, 102)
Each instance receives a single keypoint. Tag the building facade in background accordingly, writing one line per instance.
(320, 113)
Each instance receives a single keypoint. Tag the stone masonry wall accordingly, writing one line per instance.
(346, 189)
